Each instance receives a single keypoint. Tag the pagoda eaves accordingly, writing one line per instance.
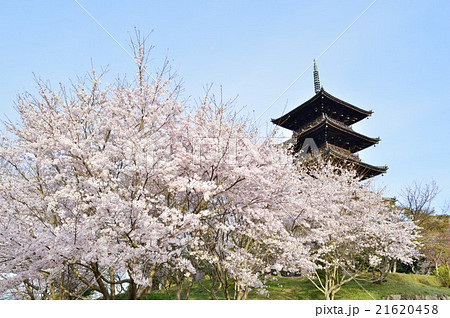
(322, 102)
(363, 169)
(333, 132)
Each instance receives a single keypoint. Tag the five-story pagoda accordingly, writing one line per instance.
(327, 121)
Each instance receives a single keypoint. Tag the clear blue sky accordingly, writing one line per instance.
(394, 60)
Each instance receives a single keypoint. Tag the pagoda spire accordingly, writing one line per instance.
(316, 79)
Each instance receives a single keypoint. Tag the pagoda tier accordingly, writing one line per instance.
(321, 103)
(326, 130)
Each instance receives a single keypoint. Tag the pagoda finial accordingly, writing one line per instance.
(316, 78)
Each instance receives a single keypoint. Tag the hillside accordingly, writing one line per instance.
(301, 289)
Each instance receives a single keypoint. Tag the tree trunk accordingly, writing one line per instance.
(100, 283)
(394, 266)
(144, 290)
(182, 291)
(385, 267)
(179, 282)
(225, 290)
(132, 291)
(52, 292)
(240, 291)
(213, 287)
(113, 285)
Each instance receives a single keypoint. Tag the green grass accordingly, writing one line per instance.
(301, 288)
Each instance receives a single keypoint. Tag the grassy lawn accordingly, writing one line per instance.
(301, 288)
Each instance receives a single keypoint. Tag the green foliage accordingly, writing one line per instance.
(443, 275)
(88, 292)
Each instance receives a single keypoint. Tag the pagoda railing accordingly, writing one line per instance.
(318, 120)
(339, 123)
(308, 125)
(344, 152)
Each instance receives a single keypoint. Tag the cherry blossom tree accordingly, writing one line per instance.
(86, 188)
(243, 186)
(349, 225)
(106, 187)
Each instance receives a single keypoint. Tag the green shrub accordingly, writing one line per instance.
(443, 275)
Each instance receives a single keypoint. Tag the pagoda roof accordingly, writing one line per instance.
(335, 133)
(322, 102)
(365, 170)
